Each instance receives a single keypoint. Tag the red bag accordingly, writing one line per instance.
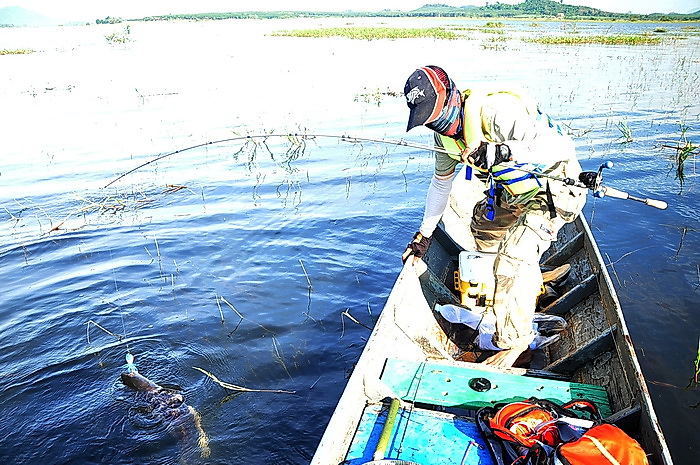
(603, 444)
(526, 423)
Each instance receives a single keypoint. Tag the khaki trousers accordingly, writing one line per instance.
(519, 235)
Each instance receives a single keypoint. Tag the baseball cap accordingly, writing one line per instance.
(426, 92)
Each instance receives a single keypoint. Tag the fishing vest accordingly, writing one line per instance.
(510, 176)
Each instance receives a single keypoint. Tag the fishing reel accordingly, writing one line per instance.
(593, 180)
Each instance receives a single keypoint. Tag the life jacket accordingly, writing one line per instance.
(603, 444)
(509, 175)
(540, 432)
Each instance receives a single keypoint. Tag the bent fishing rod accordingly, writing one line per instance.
(587, 180)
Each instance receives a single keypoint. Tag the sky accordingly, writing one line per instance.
(93, 9)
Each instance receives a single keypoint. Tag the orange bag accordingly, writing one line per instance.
(603, 444)
(526, 423)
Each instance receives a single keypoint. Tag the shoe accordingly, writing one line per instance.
(549, 325)
(557, 276)
(547, 297)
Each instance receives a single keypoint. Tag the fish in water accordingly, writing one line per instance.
(165, 403)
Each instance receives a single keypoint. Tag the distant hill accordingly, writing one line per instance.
(18, 16)
(539, 8)
(526, 9)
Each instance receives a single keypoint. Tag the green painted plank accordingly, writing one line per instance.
(448, 386)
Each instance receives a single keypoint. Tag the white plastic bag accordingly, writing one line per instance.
(485, 323)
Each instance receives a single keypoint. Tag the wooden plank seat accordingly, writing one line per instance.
(448, 385)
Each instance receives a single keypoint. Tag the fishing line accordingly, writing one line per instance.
(121, 315)
(128, 349)
(412, 406)
(598, 189)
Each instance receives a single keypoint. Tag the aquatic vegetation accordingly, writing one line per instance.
(684, 149)
(80, 211)
(371, 33)
(119, 37)
(494, 43)
(626, 133)
(682, 155)
(620, 39)
(21, 51)
(375, 96)
(695, 380)
(463, 28)
(494, 27)
(109, 20)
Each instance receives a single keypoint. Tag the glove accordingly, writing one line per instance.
(489, 154)
(418, 247)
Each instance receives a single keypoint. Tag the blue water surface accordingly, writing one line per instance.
(265, 262)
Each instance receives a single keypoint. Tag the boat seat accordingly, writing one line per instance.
(452, 385)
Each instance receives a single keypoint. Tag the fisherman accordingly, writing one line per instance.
(495, 131)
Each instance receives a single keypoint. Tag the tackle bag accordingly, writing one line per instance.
(541, 421)
(541, 432)
(603, 444)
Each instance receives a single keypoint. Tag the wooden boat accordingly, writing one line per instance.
(415, 355)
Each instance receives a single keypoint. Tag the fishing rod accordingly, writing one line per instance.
(587, 180)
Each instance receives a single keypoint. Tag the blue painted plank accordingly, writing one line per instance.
(420, 436)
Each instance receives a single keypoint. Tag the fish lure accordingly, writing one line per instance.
(130, 367)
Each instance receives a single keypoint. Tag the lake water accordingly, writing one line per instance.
(248, 260)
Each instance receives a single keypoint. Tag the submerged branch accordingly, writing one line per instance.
(118, 336)
(244, 318)
(234, 387)
(346, 313)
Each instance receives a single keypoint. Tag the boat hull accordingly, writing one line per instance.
(595, 349)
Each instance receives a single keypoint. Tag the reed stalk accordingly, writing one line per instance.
(235, 387)
(118, 336)
(311, 288)
(697, 364)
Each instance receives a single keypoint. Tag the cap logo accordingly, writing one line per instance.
(413, 95)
